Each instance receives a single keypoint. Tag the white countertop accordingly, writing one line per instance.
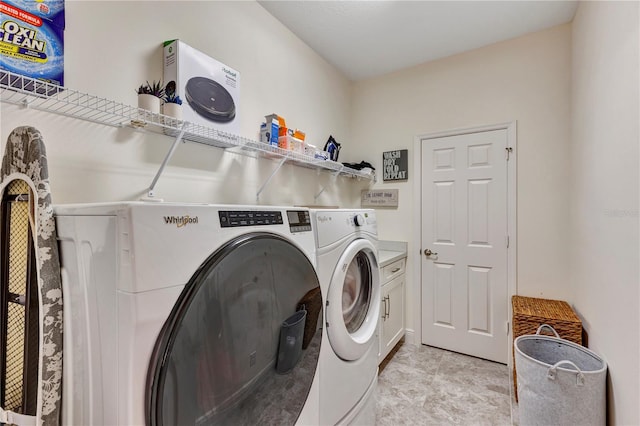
(391, 251)
(387, 257)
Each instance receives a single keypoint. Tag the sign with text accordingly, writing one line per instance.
(379, 198)
(395, 165)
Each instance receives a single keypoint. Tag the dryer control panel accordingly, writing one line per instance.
(234, 218)
(299, 220)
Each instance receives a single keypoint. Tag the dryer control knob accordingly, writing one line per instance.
(358, 220)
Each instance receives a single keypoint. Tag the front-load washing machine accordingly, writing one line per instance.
(189, 314)
(347, 263)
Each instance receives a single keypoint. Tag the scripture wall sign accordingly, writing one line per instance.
(379, 198)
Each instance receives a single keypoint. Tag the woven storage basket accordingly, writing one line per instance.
(529, 313)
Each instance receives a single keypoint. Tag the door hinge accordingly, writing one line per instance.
(509, 150)
(507, 239)
(506, 326)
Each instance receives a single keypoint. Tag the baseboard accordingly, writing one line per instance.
(410, 337)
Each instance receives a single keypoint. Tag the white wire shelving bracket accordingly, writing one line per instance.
(315, 197)
(324, 187)
(266, 182)
(150, 192)
(32, 93)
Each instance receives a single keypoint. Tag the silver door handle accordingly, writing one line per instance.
(389, 312)
(384, 313)
(388, 304)
(428, 253)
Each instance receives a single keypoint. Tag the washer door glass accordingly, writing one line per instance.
(354, 301)
(356, 292)
(235, 349)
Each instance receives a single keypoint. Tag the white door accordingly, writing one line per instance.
(464, 225)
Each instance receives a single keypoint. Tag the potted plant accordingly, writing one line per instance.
(172, 103)
(149, 96)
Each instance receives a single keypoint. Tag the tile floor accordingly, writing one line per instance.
(429, 386)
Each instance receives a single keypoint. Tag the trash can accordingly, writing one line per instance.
(290, 346)
(559, 382)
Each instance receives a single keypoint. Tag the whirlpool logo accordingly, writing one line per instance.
(180, 221)
(324, 219)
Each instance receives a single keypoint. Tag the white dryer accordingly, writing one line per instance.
(347, 263)
(175, 314)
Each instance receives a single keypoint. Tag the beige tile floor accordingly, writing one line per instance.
(429, 386)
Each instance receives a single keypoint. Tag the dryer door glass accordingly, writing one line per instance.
(235, 350)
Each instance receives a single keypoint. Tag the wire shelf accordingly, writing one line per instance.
(40, 95)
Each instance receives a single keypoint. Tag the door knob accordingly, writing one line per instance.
(428, 253)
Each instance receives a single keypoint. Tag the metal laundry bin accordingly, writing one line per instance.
(559, 382)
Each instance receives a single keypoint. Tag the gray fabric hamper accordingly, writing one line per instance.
(559, 382)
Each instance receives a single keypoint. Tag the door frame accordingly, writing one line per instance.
(415, 254)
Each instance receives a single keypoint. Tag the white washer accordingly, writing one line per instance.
(347, 255)
(173, 314)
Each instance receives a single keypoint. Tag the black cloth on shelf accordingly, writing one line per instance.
(359, 166)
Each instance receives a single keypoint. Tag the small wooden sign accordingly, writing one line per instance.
(379, 198)
(395, 165)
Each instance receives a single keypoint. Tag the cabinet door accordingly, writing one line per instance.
(393, 318)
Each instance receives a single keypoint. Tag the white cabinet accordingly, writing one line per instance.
(392, 306)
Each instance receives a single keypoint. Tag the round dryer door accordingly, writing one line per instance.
(354, 301)
(237, 347)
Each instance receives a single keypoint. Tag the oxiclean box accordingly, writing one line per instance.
(210, 90)
(31, 39)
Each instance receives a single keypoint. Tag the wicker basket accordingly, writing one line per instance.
(529, 313)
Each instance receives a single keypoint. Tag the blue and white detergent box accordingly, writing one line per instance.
(269, 132)
(32, 39)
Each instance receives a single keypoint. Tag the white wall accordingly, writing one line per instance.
(112, 47)
(604, 242)
(525, 79)
(585, 216)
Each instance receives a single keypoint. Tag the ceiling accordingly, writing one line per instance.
(369, 38)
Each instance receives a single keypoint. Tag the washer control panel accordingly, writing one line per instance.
(233, 218)
(299, 220)
(358, 220)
